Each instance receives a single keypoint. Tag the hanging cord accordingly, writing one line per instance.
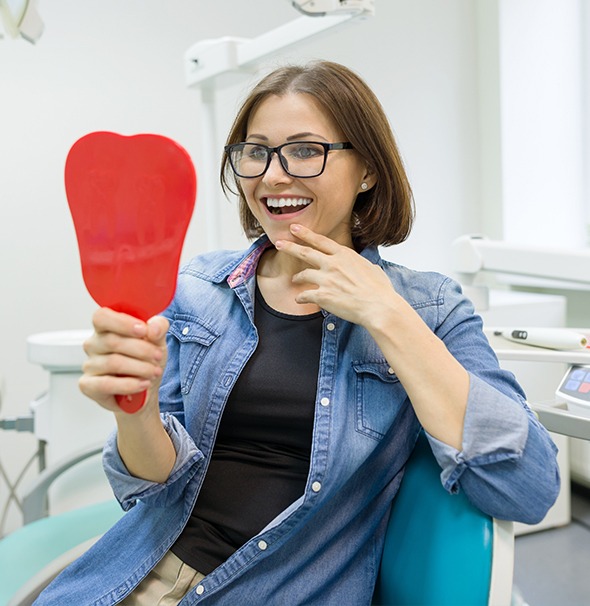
(20, 424)
(12, 486)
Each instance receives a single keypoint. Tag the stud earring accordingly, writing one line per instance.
(364, 186)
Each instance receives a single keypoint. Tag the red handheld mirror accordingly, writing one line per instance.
(131, 199)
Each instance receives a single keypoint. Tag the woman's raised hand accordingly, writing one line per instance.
(341, 281)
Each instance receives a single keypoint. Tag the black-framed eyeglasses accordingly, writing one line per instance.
(299, 159)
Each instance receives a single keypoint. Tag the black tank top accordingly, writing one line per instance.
(260, 461)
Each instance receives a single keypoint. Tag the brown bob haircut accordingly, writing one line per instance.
(382, 215)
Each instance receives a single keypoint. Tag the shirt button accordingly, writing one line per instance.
(330, 326)
(325, 401)
(200, 590)
(185, 330)
(316, 486)
(262, 545)
(390, 370)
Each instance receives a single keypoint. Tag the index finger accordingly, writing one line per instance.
(314, 249)
(108, 320)
(317, 241)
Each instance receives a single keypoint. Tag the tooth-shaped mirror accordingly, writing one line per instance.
(131, 199)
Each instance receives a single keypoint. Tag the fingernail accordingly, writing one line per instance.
(279, 244)
(295, 227)
(157, 329)
(139, 329)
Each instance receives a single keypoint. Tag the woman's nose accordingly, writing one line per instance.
(275, 173)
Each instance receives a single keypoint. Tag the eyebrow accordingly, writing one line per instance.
(296, 137)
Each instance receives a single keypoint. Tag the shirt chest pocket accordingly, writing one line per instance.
(194, 339)
(379, 398)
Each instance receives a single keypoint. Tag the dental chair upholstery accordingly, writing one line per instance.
(36, 553)
(439, 549)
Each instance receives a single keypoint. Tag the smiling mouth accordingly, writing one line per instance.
(286, 206)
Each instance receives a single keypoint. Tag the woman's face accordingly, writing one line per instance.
(324, 203)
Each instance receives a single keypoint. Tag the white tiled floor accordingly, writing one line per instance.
(552, 567)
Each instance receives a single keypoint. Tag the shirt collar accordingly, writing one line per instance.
(247, 266)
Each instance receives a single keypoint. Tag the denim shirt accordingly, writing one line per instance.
(325, 548)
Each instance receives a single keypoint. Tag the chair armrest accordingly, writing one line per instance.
(502, 574)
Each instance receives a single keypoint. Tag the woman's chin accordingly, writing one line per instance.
(282, 232)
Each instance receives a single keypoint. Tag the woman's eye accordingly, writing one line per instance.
(256, 152)
(305, 152)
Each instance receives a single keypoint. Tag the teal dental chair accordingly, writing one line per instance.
(439, 549)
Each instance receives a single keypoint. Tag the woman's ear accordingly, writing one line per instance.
(368, 182)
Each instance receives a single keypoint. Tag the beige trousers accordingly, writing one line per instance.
(165, 585)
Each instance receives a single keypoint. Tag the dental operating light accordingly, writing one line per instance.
(208, 59)
(321, 8)
(20, 18)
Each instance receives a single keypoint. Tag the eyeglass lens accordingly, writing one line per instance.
(301, 159)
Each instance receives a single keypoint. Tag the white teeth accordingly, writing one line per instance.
(281, 202)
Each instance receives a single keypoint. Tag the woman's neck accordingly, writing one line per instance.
(275, 280)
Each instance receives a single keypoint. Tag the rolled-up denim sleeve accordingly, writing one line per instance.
(129, 489)
(506, 458)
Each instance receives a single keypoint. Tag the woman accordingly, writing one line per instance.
(294, 380)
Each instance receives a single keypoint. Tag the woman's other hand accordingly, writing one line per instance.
(340, 280)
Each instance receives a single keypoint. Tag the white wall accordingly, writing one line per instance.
(111, 65)
(542, 113)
